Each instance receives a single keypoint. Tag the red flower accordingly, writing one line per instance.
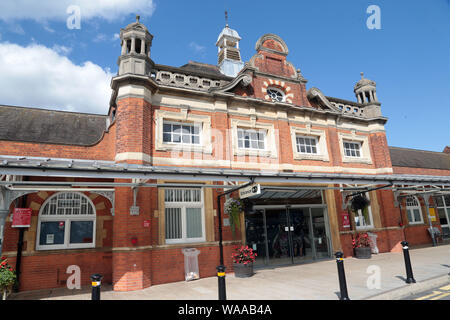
(10, 269)
(3, 258)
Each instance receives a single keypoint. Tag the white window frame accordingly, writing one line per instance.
(270, 144)
(67, 219)
(446, 208)
(415, 206)
(363, 141)
(357, 147)
(311, 138)
(259, 131)
(183, 117)
(198, 125)
(360, 215)
(183, 206)
(321, 143)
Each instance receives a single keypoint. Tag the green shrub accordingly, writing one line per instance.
(7, 275)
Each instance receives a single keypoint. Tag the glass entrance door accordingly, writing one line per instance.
(320, 234)
(256, 235)
(278, 236)
(286, 235)
(302, 246)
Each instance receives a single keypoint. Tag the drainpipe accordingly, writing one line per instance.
(19, 247)
(401, 220)
(3, 216)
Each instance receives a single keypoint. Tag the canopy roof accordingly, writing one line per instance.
(28, 166)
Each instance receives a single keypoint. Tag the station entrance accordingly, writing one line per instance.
(292, 233)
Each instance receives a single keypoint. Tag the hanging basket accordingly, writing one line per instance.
(233, 207)
(359, 202)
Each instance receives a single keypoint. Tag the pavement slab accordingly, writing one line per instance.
(313, 281)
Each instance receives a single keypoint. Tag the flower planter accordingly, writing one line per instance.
(243, 270)
(363, 253)
(5, 292)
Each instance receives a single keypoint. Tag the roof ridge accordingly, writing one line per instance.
(440, 152)
(53, 110)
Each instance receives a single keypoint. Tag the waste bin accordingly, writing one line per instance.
(191, 264)
(373, 242)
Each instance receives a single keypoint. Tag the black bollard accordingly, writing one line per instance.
(341, 273)
(221, 279)
(96, 286)
(409, 273)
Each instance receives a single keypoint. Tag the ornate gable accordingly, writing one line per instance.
(274, 78)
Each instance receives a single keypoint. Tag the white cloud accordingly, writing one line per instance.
(100, 37)
(62, 50)
(49, 29)
(16, 28)
(197, 48)
(37, 76)
(57, 9)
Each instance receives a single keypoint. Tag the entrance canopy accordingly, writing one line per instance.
(273, 193)
(44, 167)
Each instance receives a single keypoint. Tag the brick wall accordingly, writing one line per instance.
(421, 171)
(134, 126)
(44, 269)
(168, 264)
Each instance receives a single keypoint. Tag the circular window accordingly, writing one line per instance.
(275, 95)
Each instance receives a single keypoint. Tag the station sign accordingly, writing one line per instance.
(250, 191)
(21, 218)
(345, 220)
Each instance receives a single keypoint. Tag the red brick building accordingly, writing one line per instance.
(123, 194)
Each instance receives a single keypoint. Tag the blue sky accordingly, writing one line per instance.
(409, 57)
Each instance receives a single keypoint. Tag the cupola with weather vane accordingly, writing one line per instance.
(229, 54)
(136, 42)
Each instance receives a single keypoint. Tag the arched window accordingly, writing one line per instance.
(413, 210)
(276, 95)
(66, 221)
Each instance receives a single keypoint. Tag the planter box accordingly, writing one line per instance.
(243, 270)
(363, 253)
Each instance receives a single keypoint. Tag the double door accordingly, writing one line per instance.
(288, 234)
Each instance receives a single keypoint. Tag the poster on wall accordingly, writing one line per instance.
(345, 220)
(21, 218)
(50, 239)
(432, 214)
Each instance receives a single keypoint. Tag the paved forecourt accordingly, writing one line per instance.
(381, 277)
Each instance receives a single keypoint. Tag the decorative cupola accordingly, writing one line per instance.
(366, 90)
(366, 94)
(229, 61)
(136, 44)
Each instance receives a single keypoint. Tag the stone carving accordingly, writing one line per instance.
(259, 44)
(315, 93)
(185, 80)
(245, 79)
